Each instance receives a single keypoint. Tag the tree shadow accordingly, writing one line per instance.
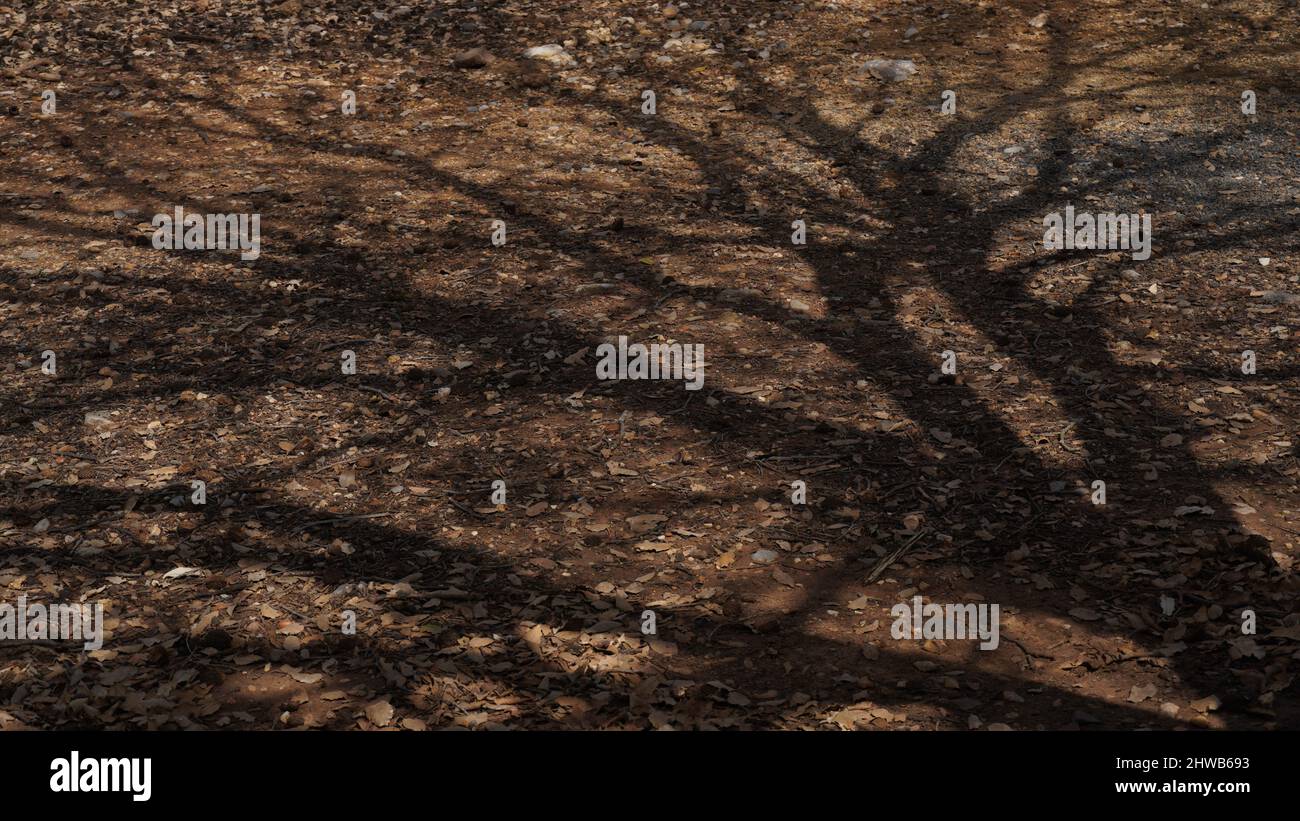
(994, 300)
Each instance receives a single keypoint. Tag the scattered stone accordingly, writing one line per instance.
(1280, 297)
(893, 71)
(99, 420)
(472, 58)
(1206, 705)
(765, 556)
(595, 287)
(552, 53)
(688, 42)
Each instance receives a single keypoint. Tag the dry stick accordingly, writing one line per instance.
(1061, 436)
(462, 507)
(822, 456)
(346, 342)
(1130, 657)
(899, 489)
(891, 558)
(1028, 653)
(384, 394)
(761, 465)
(340, 519)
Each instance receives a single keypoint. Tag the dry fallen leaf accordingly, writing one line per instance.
(379, 713)
(1141, 692)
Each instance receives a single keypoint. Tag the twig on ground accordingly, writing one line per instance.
(884, 563)
(340, 519)
(462, 508)
(382, 393)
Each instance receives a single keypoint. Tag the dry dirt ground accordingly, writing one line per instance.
(370, 492)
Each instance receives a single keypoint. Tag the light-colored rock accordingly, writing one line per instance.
(893, 71)
(552, 53)
(1281, 297)
(99, 420)
(688, 43)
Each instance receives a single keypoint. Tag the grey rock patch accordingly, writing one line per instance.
(894, 71)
